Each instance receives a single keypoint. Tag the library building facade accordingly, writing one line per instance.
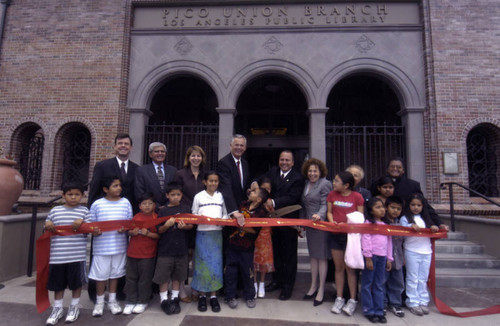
(348, 82)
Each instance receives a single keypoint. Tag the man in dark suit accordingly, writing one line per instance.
(233, 173)
(287, 187)
(404, 187)
(120, 166)
(155, 176)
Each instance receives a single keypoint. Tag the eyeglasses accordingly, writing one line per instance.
(159, 151)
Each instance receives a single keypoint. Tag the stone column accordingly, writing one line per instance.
(413, 121)
(317, 144)
(226, 129)
(139, 118)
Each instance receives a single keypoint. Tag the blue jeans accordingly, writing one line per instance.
(394, 287)
(239, 263)
(417, 273)
(372, 287)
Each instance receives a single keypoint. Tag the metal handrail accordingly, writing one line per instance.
(452, 209)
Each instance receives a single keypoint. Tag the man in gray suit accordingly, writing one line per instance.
(155, 176)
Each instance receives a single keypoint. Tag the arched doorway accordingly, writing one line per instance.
(482, 159)
(363, 126)
(271, 112)
(183, 115)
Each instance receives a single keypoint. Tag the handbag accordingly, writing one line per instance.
(353, 254)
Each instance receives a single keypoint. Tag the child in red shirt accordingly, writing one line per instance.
(141, 255)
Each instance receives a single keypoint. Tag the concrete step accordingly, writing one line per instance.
(302, 243)
(473, 261)
(468, 278)
(303, 255)
(459, 247)
(453, 236)
(459, 263)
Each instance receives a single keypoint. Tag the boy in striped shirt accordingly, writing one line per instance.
(67, 253)
(109, 248)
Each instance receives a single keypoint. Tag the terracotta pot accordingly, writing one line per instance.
(11, 186)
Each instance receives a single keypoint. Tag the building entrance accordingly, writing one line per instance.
(363, 126)
(271, 113)
(183, 115)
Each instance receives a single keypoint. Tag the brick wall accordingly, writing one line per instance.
(65, 61)
(466, 52)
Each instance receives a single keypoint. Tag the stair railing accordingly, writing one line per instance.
(452, 209)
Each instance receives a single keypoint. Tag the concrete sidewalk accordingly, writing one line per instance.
(17, 308)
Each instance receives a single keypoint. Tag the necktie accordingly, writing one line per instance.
(282, 176)
(122, 170)
(161, 177)
(239, 172)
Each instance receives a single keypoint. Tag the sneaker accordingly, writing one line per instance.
(382, 319)
(262, 290)
(127, 310)
(114, 307)
(73, 313)
(424, 309)
(214, 303)
(374, 319)
(251, 303)
(416, 311)
(397, 311)
(232, 303)
(349, 307)
(176, 307)
(98, 310)
(337, 305)
(139, 308)
(55, 315)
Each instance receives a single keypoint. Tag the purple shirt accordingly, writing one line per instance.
(377, 244)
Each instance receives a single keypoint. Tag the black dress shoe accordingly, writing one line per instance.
(309, 297)
(214, 303)
(285, 295)
(372, 318)
(202, 304)
(317, 303)
(273, 286)
(165, 305)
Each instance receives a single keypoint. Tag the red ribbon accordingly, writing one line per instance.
(43, 245)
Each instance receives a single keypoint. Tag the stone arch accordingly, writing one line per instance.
(304, 81)
(141, 96)
(406, 90)
(410, 96)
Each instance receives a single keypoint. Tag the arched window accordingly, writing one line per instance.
(27, 146)
(72, 154)
(482, 156)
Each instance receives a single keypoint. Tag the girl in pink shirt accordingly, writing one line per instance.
(377, 250)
